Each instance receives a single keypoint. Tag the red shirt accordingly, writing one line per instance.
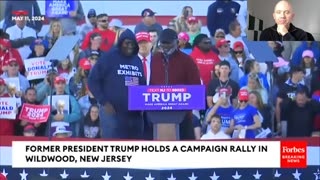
(8, 54)
(108, 38)
(6, 125)
(205, 63)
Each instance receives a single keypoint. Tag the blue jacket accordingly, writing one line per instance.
(114, 72)
(221, 14)
(297, 55)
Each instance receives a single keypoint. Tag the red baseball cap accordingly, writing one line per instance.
(59, 79)
(29, 128)
(238, 44)
(143, 36)
(192, 19)
(5, 43)
(2, 82)
(85, 64)
(222, 42)
(11, 60)
(243, 95)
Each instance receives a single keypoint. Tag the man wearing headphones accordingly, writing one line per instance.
(173, 67)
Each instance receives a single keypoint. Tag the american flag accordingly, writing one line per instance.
(312, 172)
(131, 81)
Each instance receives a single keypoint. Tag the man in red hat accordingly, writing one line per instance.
(194, 29)
(223, 47)
(13, 72)
(73, 116)
(145, 45)
(6, 53)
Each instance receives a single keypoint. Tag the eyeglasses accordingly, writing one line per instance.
(243, 101)
(238, 52)
(104, 20)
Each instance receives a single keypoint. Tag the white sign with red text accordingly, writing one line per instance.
(36, 67)
(8, 107)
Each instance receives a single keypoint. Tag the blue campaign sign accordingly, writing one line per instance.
(180, 97)
(60, 8)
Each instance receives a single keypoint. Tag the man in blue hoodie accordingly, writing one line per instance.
(220, 14)
(109, 80)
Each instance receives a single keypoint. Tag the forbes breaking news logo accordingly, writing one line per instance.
(293, 154)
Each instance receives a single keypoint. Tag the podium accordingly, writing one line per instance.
(166, 106)
(166, 124)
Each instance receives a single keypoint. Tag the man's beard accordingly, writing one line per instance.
(170, 51)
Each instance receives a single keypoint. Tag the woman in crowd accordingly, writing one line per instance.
(39, 48)
(54, 33)
(184, 41)
(308, 64)
(239, 55)
(245, 117)
(91, 123)
(65, 69)
(252, 66)
(255, 85)
(78, 82)
(264, 111)
(215, 74)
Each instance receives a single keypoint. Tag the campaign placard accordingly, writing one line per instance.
(179, 97)
(37, 68)
(59, 8)
(13, 84)
(8, 107)
(34, 113)
(60, 104)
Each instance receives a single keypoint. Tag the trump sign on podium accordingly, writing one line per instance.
(151, 154)
(166, 97)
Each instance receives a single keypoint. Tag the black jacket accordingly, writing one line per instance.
(294, 34)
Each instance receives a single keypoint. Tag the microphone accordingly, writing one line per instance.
(166, 67)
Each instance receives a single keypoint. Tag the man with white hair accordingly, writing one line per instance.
(283, 30)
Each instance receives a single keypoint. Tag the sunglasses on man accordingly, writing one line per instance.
(238, 52)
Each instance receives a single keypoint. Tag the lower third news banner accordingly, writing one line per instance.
(164, 154)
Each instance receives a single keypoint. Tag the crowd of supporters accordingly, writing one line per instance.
(243, 94)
